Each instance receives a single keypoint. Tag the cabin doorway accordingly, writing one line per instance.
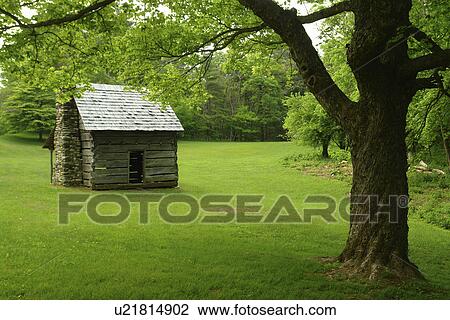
(136, 167)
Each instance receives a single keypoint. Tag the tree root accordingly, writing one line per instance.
(396, 270)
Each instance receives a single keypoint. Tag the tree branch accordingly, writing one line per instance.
(219, 41)
(287, 24)
(422, 37)
(438, 59)
(326, 13)
(437, 56)
(67, 44)
(12, 16)
(29, 3)
(96, 6)
(426, 83)
(428, 109)
(74, 16)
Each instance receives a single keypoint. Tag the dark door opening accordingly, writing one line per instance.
(136, 167)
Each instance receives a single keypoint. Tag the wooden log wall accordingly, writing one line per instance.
(87, 146)
(106, 158)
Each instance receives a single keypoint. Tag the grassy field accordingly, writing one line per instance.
(40, 259)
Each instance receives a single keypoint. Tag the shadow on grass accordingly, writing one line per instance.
(24, 138)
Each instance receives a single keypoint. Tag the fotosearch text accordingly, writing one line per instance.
(180, 208)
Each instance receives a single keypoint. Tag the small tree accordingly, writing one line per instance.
(28, 109)
(307, 121)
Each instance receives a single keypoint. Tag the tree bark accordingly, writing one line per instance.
(377, 245)
(325, 153)
(446, 141)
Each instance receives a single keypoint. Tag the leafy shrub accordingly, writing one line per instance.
(429, 198)
(338, 166)
(428, 191)
(336, 156)
(340, 155)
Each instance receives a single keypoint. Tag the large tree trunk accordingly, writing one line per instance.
(377, 244)
(386, 79)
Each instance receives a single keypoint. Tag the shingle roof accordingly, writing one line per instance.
(110, 107)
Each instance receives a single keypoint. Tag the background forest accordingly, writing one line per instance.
(233, 95)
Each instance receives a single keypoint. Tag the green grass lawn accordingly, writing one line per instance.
(40, 259)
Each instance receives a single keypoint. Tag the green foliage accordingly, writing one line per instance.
(169, 54)
(428, 118)
(307, 121)
(244, 101)
(336, 34)
(166, 47)
(262, 96)
(337, 166)
(60, 58)
(144, 45)
(428, 123)
(3, 128)
(429, 192)
(337, 156)
(27, 109)
(245, 123)
(431, 16)
(3, 125)
(428, 114)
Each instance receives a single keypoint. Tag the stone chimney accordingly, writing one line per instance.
(68, 158)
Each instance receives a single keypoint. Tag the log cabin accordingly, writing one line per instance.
(110, 138)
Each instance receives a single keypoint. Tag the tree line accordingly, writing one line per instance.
(255, 97)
